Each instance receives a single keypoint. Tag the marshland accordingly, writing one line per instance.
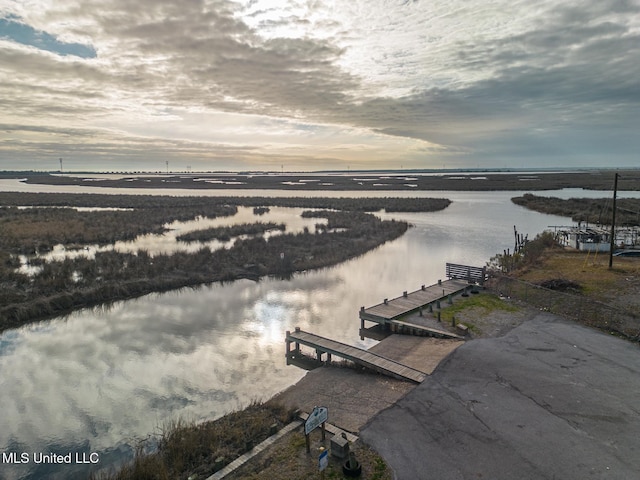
(114, 373)
(77, 281)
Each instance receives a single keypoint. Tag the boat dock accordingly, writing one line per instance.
(389, 312)
(323, 345)
(403, 314)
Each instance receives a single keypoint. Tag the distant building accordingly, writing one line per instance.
(586, 239)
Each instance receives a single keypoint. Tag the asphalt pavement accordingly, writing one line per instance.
(549, 400)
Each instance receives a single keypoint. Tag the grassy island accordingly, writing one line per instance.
(224, 234)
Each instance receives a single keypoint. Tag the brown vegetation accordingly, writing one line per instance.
(589, 210)
(74, 283)
(187, 450)
(195, 206)
(574, 284)
(224, 234)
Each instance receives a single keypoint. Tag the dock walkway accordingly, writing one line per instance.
(348, 352)
(409, 302)
(389, 314)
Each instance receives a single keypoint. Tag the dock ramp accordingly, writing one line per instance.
(348, 352)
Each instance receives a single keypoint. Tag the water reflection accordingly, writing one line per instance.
(168, 243)
(98, 379)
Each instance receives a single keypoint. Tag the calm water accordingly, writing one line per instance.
(97, 380)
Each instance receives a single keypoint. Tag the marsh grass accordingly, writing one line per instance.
(63, 286)
(226, 233)
(197, 450)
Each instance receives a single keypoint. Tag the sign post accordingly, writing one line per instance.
(317, 417)
(323, 461)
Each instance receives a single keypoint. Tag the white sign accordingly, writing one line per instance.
(323, 460)
(315, 419)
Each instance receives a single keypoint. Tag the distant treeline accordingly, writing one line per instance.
(591, 210)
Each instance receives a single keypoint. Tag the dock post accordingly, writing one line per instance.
(438, 304)
(453, 321)
(319, 355)
(288, 348)
(449, 300)
(420, 311)
(297, 343)
(438, 316)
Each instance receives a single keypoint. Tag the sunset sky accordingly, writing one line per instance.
(309, 85)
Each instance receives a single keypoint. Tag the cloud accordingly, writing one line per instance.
(435, 81)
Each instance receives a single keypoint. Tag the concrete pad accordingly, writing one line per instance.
(550, 399)
(352, 396)
(421, 353)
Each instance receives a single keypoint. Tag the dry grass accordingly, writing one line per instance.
(485, 303)
(599, 297)
(591, 271)
(289, 460)
(188, 450)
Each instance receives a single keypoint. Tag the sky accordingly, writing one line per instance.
(302, 85)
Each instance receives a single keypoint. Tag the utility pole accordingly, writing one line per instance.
(60, 165)
(613, 221)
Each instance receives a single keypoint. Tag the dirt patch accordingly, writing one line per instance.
(561, 285)
(483, 324)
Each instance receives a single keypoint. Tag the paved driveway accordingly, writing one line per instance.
(549, 400)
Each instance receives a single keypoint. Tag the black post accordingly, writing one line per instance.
(613, 221)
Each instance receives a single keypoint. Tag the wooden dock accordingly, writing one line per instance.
(348, 352)
(388, 312)
(416, 329)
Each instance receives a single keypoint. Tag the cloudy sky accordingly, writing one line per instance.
(318, 84)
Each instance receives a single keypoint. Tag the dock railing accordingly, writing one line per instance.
(466, 272)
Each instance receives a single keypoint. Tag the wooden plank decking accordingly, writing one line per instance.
(354, 354)
(433, 332)
(396, 307)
